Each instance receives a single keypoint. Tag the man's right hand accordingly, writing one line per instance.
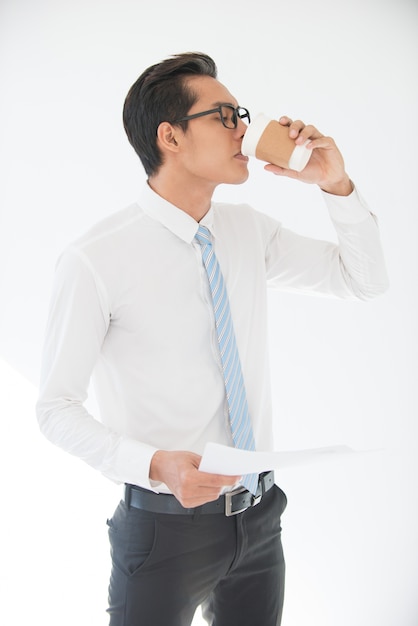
(180, 472)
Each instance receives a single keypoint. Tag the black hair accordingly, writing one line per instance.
(161, 94)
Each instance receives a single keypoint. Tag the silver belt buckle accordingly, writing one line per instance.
(228, 502)
(256, 500)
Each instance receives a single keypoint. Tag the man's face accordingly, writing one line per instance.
(210, 152)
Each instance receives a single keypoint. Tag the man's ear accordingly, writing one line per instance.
(167, 137)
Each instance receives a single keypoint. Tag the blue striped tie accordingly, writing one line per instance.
(239, 417)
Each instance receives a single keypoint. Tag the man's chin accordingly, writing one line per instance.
(238, 179)
(243, 179)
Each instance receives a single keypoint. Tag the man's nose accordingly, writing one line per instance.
(241, 127)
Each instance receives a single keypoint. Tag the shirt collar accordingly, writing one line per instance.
(180, 223)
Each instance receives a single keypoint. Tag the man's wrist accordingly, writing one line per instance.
(154, 469)
(342, 188)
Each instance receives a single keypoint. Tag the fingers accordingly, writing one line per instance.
(325, 168)
(285, 121)
(197, 488)
(179, 470)
(299, 131)
(217, 481)
(321, 142)
(276, 169)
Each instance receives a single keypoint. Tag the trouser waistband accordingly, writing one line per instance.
(231, 503)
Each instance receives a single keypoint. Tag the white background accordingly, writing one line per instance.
(342, 372)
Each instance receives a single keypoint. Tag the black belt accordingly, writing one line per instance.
(230, 503)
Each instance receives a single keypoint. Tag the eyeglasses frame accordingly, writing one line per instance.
(236, 115)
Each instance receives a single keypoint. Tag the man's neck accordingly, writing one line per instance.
(191, 197)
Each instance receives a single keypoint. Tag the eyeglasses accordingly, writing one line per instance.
(229, 115)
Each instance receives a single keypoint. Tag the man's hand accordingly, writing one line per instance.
(180, 472)
(326, 165)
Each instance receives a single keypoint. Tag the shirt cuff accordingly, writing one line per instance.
(132, 462)
(350, 209)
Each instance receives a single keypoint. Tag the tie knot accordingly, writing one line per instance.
(203, 236)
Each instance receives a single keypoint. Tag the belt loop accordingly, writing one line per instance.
(128, 496)
(263, 486)
(197, 513)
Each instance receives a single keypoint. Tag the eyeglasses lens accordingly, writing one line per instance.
(230, 116)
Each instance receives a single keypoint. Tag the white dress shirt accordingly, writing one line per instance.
(131, 310)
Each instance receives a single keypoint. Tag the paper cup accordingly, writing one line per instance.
(268, 140)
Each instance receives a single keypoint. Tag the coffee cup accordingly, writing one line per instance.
(268, 140)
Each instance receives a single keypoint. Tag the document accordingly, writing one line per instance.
(219, 459)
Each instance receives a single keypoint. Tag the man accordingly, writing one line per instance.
(133, 305)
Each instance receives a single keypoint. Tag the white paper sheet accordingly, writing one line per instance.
(219, 459)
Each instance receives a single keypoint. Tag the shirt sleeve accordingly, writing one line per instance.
(78, 322)
(353, 268)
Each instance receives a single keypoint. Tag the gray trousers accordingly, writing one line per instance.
(164, 566)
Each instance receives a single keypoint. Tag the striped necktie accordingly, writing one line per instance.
(239, 417)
